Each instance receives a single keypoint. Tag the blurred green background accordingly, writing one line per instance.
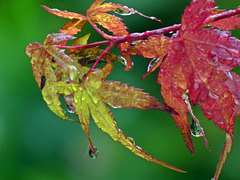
(37, 145)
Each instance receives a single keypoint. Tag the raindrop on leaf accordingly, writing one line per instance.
(138, 147)
(131, 139)
(122, 12)
(195, 129)
(152, 63)
(123, 61)
(69, 109)
(134, 43)
(93, 154)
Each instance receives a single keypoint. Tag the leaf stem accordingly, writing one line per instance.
(223, 15)
(140, 36)
(110, 46)
(103, 34)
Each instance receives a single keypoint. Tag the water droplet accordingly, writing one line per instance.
(69, 109)
(152, 63)
(119, 131)
(93, 154)
(228, 60)
(131, 139)
(209, 115)
(223, 38)
(138, 147)
(115, 107)
(134, 43)
(195, 129)
(122, 12)
(122, 59)
(104, 20)
(95, 99)
(76, 99)
(212, 54)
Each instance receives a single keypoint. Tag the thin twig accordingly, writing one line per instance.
(110, 46)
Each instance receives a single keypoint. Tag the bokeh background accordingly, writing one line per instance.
(36, 145)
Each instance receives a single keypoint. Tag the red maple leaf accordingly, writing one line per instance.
(228, 23)
(197, 63)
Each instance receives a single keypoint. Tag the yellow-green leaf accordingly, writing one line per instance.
(90, 96)
(49, 92)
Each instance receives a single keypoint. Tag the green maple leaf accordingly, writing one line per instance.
(91, 96)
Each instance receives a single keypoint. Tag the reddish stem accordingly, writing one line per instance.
(103, 34)
(110, 46)
(223, 15)
(139, 36)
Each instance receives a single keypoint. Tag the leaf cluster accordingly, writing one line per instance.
(195, 67)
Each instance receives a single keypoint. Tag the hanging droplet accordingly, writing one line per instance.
(138, 147)
(122, 12)
(134, 43)
(69, 109)
(93, 154)
(131, 139)
(115, 107)
(152, 63)
(195, 129)
(123, 61)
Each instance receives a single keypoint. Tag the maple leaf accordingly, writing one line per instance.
(92, 95)
(155, 47)
(196, 61)
(44, 58)
(72, 27)
(226, 24)
(199, 61)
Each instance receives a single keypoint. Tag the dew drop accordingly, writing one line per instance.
(122, 12)
(48, 100)
(115, 107)
(152, 63)
(195, 129)
(228, 60)
(76, 99)
(119, 131)
(122, 59)
(92, 154)
(223, 38)
(134, 43)
(69, 109)
(138, 147)
(131, 139)
(209, 115)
